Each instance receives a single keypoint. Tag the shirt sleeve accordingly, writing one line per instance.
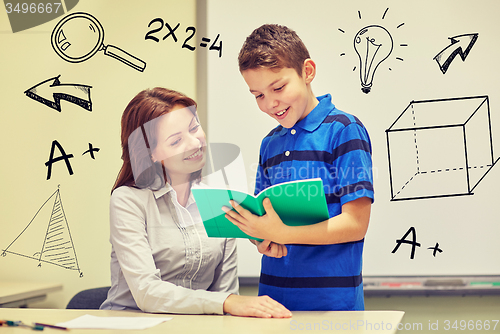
(354, 164)
(129, 238)
(226, 273)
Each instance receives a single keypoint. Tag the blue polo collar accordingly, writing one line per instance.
(316, 117)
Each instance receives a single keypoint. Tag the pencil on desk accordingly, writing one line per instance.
(49, 326)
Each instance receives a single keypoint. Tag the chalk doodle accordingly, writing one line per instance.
(63, 156)
(91, 151)
(373, 44)
(56, 246)
(440, 148)
(51, 91)
(413, 242)
(460, 45)
(157, 24)
(79, 36)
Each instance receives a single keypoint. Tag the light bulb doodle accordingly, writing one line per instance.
(373, 44)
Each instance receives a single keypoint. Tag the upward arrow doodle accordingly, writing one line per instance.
(51, 91)
(458, 45)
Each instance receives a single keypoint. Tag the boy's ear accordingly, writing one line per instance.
(309, 70)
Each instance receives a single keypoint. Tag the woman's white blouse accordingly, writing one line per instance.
(162, 259)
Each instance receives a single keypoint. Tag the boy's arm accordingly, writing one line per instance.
(350, 225)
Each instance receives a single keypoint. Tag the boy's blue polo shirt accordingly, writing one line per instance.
(334, 146)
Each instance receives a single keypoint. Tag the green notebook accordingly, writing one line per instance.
(297, 203)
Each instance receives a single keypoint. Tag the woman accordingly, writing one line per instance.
(162, 259)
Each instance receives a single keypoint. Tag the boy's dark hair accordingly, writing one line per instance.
(273, 46)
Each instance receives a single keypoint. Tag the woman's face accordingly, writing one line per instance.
(181, 144)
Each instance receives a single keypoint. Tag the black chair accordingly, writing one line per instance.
(90, 299)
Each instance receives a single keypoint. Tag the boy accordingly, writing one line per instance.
(315, 267)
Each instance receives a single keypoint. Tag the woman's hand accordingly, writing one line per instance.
(251, 306)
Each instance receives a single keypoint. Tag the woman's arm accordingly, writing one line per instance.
(226, 272)
(250, 306)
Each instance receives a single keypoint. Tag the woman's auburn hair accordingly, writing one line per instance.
(146, 106)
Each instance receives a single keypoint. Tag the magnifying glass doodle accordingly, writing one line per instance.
(79, 36)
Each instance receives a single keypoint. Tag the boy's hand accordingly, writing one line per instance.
(267, 227)
(271, 249)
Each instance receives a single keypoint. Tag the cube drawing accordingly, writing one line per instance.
(440, 148)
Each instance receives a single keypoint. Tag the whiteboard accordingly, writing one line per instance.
(446, 194)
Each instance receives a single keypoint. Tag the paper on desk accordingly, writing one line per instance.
(92, 322)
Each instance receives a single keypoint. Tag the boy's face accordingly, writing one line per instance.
(282, 94)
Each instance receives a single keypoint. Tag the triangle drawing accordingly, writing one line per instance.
(47, 237)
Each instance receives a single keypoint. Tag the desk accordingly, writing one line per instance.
(353, 322)
(19, 294)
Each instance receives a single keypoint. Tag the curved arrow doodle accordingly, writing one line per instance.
(51, 91)
(457, 46)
